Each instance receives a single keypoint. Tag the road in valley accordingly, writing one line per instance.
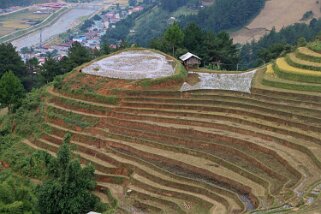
(64, 23)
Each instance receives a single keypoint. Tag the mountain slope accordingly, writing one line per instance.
(205, 151)
(276, 14)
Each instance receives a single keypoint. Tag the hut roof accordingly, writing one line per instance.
(187, 56)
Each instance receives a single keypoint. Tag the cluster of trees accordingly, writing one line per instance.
(214, 49)
(17, 76)
(17, 195)
(10, 3)
(122, 29)
(276, 44)
(221, 15)
(27, 76)
(32, 74)
(67, 187)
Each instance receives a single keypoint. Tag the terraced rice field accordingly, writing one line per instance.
(204, 151)
(299, 71)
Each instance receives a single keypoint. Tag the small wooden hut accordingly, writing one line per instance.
(190, 60)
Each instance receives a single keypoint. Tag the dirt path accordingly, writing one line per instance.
(276, 14)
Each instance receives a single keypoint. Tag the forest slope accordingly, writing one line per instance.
(276, 14)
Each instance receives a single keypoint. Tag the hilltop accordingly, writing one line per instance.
(160, 149)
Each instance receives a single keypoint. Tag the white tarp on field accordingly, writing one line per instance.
(234, 82)
(132, 65)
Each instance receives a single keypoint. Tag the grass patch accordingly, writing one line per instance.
(22, 158)
(79, 104)
(28, 120)
(71, 118)
(87, 91)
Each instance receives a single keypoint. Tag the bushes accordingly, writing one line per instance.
(113, 201)
(315, 46)
(17, 195)
(28, 119)
(58, 81)
(23, 159)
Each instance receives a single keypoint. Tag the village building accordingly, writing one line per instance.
(190, 60)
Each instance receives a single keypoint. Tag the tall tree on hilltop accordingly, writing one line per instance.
(50, 69)
(219, 49)
(11, 91)
(194, 36)
(174, 36)
(79, 54)
(69, 187)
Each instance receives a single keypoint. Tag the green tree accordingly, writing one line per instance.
(11, 91)
(79, 54)
(17, 195)
(301, 42)
(194, 36)
(220, 50)
(50, 69)
(10, 60)
(68, 188)
(174, 36)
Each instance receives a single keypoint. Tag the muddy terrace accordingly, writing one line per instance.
(131, 65)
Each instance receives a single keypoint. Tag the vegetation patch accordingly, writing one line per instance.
(315, 46)
(71, 118)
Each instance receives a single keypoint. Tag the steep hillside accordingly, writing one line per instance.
(213, 16)
(160, 150)
(277, 14)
